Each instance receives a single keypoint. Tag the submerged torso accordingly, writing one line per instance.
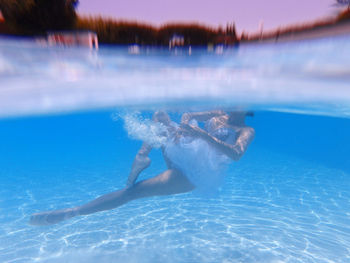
(199, 161)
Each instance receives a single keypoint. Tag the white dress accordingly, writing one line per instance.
(201, 163)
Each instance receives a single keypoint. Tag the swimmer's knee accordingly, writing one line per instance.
(172, 175)
(171, 181)
(169, 175)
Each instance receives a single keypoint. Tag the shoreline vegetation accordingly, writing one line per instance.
(36, 17)
(322, 27)
(111, 31)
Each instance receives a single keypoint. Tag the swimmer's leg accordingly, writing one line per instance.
(141, 162)
(167, 183)
(52, 217)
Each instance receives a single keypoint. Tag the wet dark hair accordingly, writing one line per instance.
(245, 113)
(233, 115)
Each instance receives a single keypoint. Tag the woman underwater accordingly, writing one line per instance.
(194, 158)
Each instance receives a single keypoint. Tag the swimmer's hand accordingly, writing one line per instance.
(200, 116)
(192, 131)
(185, 130)
(52, 217)
(196, 132)
(140, 163)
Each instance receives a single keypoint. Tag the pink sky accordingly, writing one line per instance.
(246, 14)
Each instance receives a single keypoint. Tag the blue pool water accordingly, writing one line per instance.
(63, 143)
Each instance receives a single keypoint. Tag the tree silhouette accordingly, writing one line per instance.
(39, 16)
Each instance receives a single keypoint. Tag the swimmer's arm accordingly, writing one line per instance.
(200, 116)
(141, 162)
(235, 151)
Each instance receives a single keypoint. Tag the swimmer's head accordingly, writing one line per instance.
(162, 117)
(249, 114)
(238, 117)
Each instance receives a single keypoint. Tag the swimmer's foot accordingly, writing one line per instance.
(52, 217)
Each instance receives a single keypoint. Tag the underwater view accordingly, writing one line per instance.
(238, 154)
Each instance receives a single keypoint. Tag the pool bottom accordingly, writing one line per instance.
(272, 208)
